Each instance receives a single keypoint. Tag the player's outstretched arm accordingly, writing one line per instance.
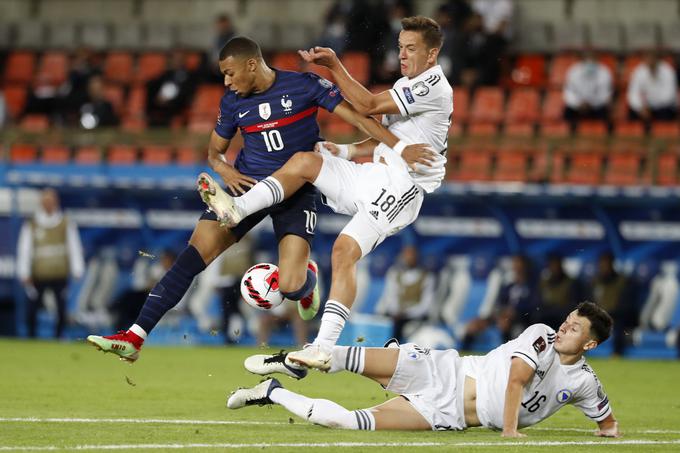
(363, 100)
(232, 177)
(520, 375)
(608, 427)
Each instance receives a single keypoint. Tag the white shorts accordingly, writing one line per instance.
(429, 380)
(381, 199)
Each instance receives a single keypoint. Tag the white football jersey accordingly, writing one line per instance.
(425, 104)
(553, 385)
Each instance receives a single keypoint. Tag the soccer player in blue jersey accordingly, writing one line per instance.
(276, 114)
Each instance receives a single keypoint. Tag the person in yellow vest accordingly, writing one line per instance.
(409, 291)
(49, 250)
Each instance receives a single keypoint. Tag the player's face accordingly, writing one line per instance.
(414, 56)
(573, 336)
(239, 74)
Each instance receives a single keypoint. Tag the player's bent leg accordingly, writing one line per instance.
(399, 414)
(298, 280)
(345, 255)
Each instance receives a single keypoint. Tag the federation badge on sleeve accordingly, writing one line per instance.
(408, 95)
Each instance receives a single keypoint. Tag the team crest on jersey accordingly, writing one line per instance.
(325, 83)
(563, 396)
(539, 345)
(265, 110)
(420, 89)
(287, 104)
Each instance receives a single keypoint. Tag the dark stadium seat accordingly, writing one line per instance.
(288, 61)
(15, 98)
(122, 155)
(529, 70)
(623, 169)
(88, 155)
(20, 67)
(559, 67)
(156, 155)
(150, 65)
(358, 64)
(55, 154)
(461, 105)
(487, 106)
(53, 67)
(118, 67)
(523, 106)
(23, 153)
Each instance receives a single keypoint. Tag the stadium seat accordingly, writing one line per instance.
(461, 103)
(150, 65)
(559, 67)
(529, 70)
(623, 169)
(23, 153)
(474, 165)
(358, 64)
(523, 106)
(20, 67)
(667, 168)
(205, 104)
(193, 61)
(585, 168)
(288, 61)
(88, 155)
(53, 67)
(482, 129)
(187, 155)
(118, 67)
(620, 109)
(35, 123)
(666, 129)
(116, 96)
(629, 64)
(122, 155)
(487, 106)
(591, 129)
(629, 129)
(55, 154)
(156, 155)
(558, 129)
(134, 117)
(519, 130)
(15, 98)
(511, 165)
(610, 62)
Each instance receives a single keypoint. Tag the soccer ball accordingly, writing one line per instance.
(260, 287)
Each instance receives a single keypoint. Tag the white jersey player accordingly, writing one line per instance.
(383, 196)
(518, 384)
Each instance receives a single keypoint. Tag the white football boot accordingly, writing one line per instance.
(258, 395)
(219, 201)
(312, 356)
(264, 364)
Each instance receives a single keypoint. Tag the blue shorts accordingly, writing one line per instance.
(296, 215)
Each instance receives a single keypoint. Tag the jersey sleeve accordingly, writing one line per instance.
(532, 343)
(225, 126)
(592, 400)
(324, 93)
(420, 95)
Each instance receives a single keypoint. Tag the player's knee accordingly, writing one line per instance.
(346, 252)
(306, 164)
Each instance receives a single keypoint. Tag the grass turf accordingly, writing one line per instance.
(72, 380)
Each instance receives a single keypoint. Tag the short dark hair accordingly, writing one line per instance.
(240, 46)
(429, 29)
(600, 321)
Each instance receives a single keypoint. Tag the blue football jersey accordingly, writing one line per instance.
(278, 122)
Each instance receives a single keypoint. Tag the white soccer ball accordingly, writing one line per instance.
(260, 287)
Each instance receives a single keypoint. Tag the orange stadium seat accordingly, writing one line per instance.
(667, 168)
(134, 115)
(193, 61)
(553, 107)
(150, 65)
(475, 165)
(358, 64)
(487, 106)
(288, 61)
(666, 129)
(116, 96)
(88, 155)
(482, 129)
(187, 155)
(523, 106)
(204, 108)
(629, 64)
(23, 153)
(53, 67)
(519, 130)
(56, 154)
(35, 123)
(20, 67)
(585, 168)
(591, 129)
(529, 70)
(118, 67)
(15, 97)
(559, 67)
(511, 165)
(623, 169)
(156, 155)
(461, 105)
(610, 61)
(122, 155)
(629, 129)
(559, 129)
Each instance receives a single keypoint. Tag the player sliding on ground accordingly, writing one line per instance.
(276, 113)
(384, 196)
(518, 384)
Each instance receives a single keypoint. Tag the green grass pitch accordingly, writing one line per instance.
(68, 396)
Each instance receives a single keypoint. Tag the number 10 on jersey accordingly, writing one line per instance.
(273, 140)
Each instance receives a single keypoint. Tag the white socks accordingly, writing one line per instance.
(138, 331)
(332, 322)
(323, 412)
(350, 358)
(264, 194)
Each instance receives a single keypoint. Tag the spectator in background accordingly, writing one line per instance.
(652, 91)
(224, 31)
(389, 69)
(97, 111)
(49, 250)
(409, 291)
(496, 19)
(334, 33)
(74, 92)
(558, 293)
(587, 91)
(170, 93)
(515, 306)
(612, 291)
